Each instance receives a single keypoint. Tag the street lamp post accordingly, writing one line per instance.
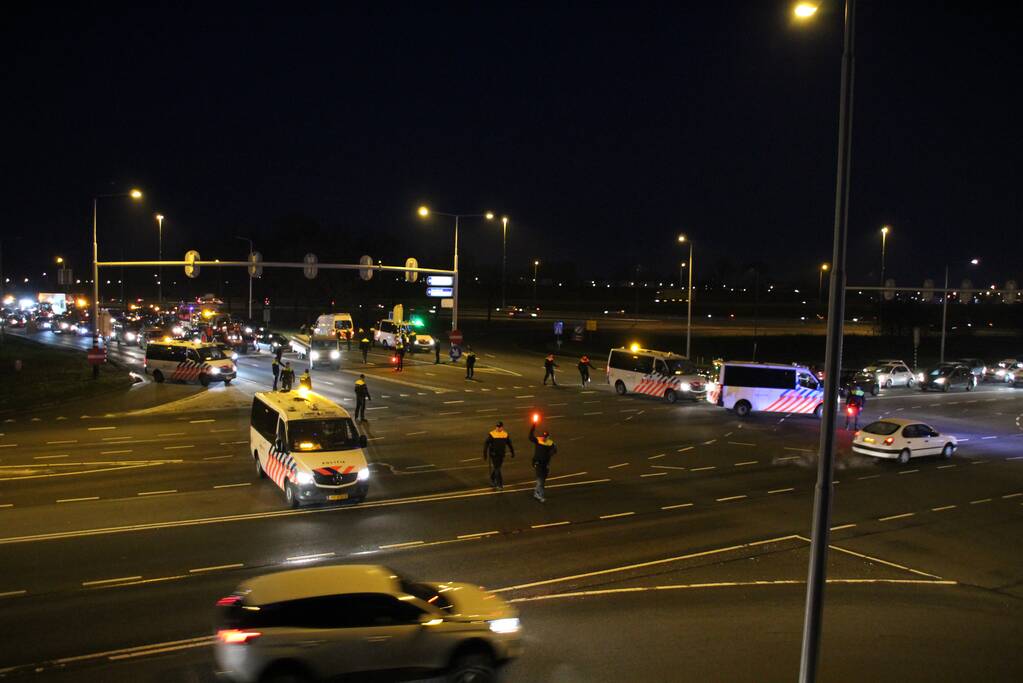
(252, 250)
(504, 260)
(159, 269)
(424, 212)
(817, 571)
(944, 311)
(689, 299)
(820, 281)
(536, 266)
(884, 241)
(134, 194)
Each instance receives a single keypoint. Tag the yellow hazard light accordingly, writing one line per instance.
(306, 446)
(207, 313)
(634, 347)
(166, 338)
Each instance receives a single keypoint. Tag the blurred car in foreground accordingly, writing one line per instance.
(947, 376)
(901, 439)
(365, 620)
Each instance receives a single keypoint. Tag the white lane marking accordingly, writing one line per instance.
(222, 431)
(549, 524)
(156, 493)
(8, 445)
(788, 490)
(100, 582)
(979, 501)
(199, 570)
(842, 526)
(985, 438)
(869, 476)
(728, 498)
(526, 396)
(594, 413)
(479, 534)
(48, 457)
(6, 505)
(414, 433)
(1012, 495)
(127, 450)
(77, 500)
(908, 471)
(451, 412)
(745, 462)
(217, 457)
(655, 457)
(466, 459)
(741, 443)
(231, 443)
(230, 486)
(172, 434)
(406, 544)
(655, 474)
(676, 507)
(703, 469)
(307, 558)
(419, 467)
(666, 467)
(621, 464)
(801, 450)
(944, 507)
(117, 438)
(177, 448)
(617, 514)
(710, 443)
(100, 429)
(378, 408)
(11, 594)
(891, 517)
(874, 559)
(51, 443)
(687, 448)
(198, 422)
(486, 410)
(788, 457)
(450, 402)
(555, 404)
(945, 467)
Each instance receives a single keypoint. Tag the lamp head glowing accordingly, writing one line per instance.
(974, 262)
(135, 193)
(424, 211)
(804, 10)
(681, 238)
(489, 215)
(60, 259)
(825, 266)
(159, 217)
(885, 230)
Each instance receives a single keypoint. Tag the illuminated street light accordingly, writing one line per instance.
(804, 10)
(60, 259)
(975, 262)
(820, 280)
(682, 239)
(159, 269)
(135, 194)
(504, 260)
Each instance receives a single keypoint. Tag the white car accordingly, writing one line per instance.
(900, 439)
(891, 375)
(362, 620)
(1003, 370)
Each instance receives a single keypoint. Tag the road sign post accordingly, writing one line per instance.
(311, 266)
(455, 337)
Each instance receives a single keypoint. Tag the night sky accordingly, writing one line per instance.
(601, 131)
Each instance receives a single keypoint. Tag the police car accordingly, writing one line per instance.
(767, 387)
(654, 373)
(187, 361)
(309, 447)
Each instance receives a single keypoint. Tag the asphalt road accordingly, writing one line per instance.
(672, 545)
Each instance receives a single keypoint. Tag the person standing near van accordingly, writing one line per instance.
(543, 452)
(470, 363)
(494, 447)
(364, 346)
(275, 367)
(361, 396)
(548, 369)
(400, 353)
(854, 404)
(584, 369)
(287, 376)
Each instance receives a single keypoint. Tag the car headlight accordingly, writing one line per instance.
(248, 330)
(177, 330)
(940, 380)
(214, 370)
(363, 474)
(1000, 372)
(334, 354)
(65, 326)
(920, 377)
(314, 355)
(685, 386)
(510, 625)
(304, 478)
(234, 355)
(129, 336)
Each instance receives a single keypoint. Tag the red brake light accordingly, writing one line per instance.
(889, 441)
(229, 601)
(233, 636)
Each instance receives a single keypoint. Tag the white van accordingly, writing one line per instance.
(188, 362)
(309, 447)
(766, 387)
(338, 325)
(654, 373)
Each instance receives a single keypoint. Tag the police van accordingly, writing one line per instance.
(765, 387)
(338, 325)
(654, 373)
(188, 361)
(309, 447)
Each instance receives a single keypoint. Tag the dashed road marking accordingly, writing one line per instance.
(945, 467)
(703, 469)
(788, 490)
(869, 476)
(200, 570)
(415, 433)
(479, 534)
(548, 524)
(100, 429)
(450, 402)
(177, 448)
(156, 493)
(49, 457)
(745, 462)
(656, 457)
(614, 467)
(741, 443)
(1012, 495)
(908, 471)
(100, 582)
(677, 506)
(77, 500)
(12, 594)
(788, 457)
(231, 486)
(197, 422)
(309, 558)
(728, 498)
(891, 517)
(655, 474)
(594, 413)
(687, 448)
(979, 501)
(617, 514)
(52, 443)
(172, 434)
(801, 450)
(943, 508)
(406, 544)
(127, 450)
(842, 526)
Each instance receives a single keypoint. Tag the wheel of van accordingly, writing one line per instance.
(743, 408)
(204, 380)
(670, 396)
(946, 452)
(903, 456)
(818, 412)
(620, 388)
(290, 496)
(475, 667)
(157, 376)
(875, 390)
(260, 474)
(909, 383)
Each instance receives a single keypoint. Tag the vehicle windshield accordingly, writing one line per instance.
(210, 353)
(941, 371)
(680, 366)
(881, 427)
(426, 593)
(310, 436)
(342, 324)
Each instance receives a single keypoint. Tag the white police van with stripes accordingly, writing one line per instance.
(188, 361)
(309, 447)
(655, 373)
(766, 387)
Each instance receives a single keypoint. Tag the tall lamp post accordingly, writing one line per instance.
(424, 212)
(134, 194)
(884, 241)
(159, 269)
(536, 266)
(252, 250)
(817, 572)
(504, 260)
(820, 280)
(944, 311)
(689, 299)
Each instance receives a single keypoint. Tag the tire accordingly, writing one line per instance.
(157, 376)
(620, 388)
(260, 474)
(227, 382)
(204, 380)
(818, 412)
(904, 456)
(670, 396)
(946, 452)
(887, 384)
(909, 383)
(875, 390)
(289, 495)
(743, 408)
(476, 667)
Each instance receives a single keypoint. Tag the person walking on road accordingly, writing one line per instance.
(275, 367)
(542, 454)
(361, 396)
(278, 354)
(364, 346)
(854, 404)
(306, 380)
(470, 363)
(584, 370)
(548, 369)
(400, 353)
(436, 351)
(287, 376)
(494, 447)
(348, 339)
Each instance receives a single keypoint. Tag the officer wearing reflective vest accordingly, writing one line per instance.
(364, 344)
(493, 451)
(361, 396)
(542, 454)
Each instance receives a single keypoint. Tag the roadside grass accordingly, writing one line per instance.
(50, 375)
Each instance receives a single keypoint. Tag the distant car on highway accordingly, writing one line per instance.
(894, 374)
(361, 620)
(946, 376)
(520, 312)
(901, 439)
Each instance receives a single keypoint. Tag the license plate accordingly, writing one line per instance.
(339, 496)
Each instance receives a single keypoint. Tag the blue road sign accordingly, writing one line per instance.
(442, 292)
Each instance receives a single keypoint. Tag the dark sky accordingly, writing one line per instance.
(602, 131)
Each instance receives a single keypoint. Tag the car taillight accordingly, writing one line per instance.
(889, 441)
(233, 636)
(229, 600)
